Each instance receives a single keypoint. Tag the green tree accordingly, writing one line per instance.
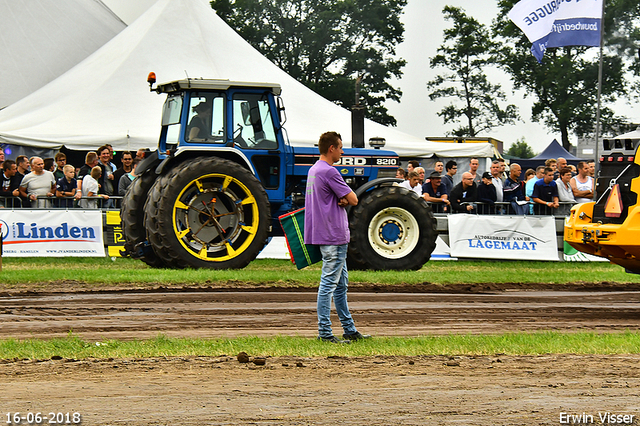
(466, 52)
(621, 30)
(520, 149)
(327, 45)
(564, 86)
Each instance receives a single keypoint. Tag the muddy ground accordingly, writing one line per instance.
(217, 389)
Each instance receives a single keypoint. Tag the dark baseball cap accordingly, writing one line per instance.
(487, 175)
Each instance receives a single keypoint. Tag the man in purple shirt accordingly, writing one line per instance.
(326, 225)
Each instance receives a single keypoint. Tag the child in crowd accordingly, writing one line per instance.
(66, 187)
(90, 188)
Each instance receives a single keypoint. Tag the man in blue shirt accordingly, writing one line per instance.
(545, 194)
(435, 193)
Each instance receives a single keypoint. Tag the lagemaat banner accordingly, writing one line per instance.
(557, 23)
(55, 233)
(503, 237)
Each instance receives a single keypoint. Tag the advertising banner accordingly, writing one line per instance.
(55, 233)
(558, 23)
(503, 237)
(113, 234)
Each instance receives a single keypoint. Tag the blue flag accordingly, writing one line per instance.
(558, 23)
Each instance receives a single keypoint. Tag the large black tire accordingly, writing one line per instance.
(208, 213)
(132, 219)
(151, 220)
(392, 228)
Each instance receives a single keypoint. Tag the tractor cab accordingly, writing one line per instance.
(239, 120)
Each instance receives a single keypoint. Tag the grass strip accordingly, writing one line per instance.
(538, 343)
(18, 272)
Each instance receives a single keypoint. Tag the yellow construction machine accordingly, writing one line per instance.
(609, 227)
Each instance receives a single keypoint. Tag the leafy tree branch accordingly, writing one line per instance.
(326, 45)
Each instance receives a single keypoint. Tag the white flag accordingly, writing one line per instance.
(558, 23)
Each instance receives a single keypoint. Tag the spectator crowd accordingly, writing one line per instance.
(51, 182)
(550, 189)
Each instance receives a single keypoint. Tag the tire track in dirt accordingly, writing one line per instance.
(143, 314)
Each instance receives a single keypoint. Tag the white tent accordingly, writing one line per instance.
(105, 98)
(635, 134)
(42, 39)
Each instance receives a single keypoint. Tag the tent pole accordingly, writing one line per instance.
(600, 66)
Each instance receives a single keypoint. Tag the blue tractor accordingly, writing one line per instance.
(211, 194)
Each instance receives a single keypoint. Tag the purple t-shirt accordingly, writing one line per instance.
(325, 222)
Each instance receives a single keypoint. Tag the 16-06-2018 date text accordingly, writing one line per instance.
(37, 418)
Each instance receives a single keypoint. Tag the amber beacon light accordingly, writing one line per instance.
(151, 79)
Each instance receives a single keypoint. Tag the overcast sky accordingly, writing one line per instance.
(416, 114)
(424, 25)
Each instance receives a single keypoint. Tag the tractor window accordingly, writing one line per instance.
(173, 134)
(172, 110)
(206, 118)
(252, 122)
(171, 119)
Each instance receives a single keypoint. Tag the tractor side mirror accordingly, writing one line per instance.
(282, 115)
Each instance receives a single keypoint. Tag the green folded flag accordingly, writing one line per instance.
(302, 255)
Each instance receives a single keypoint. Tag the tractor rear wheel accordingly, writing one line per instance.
(132, 220)
(208, 213)
(392, 228)
(151, 220)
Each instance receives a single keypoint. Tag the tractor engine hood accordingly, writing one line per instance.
(355, 162)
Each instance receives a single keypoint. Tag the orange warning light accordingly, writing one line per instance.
(151, 79)
(613, 206)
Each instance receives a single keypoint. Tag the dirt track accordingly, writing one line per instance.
(216, 389)
(197, 313)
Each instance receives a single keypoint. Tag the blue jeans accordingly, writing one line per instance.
(333, 283)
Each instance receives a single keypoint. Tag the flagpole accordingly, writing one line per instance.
(597, 159)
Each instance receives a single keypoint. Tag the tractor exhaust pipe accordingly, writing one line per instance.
(357, 126)
(357, 118)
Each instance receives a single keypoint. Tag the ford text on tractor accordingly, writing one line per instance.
(211, 194)
(610, 226)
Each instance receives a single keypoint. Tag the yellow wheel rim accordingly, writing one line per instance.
(215, 217)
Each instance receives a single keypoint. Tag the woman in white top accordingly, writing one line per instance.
(565, 193)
